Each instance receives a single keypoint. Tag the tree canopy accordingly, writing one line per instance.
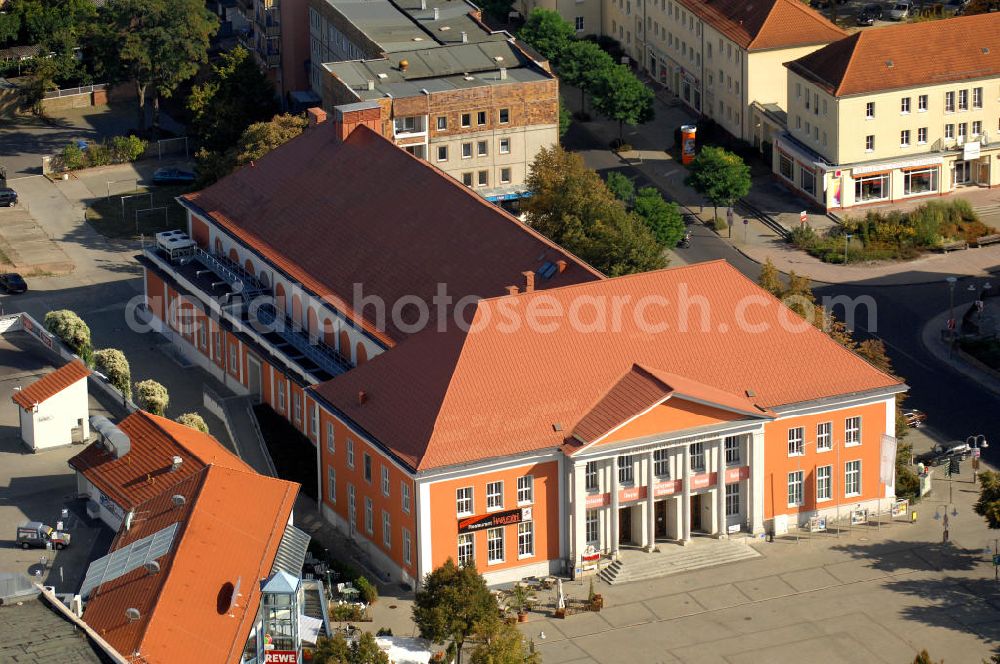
(71, 330)
(661, 217)
(621, 186)
(235, 95)
(618, 95)
(336, 650)
(988, 505)
(256, 141)
(547, 32)
(571, 206)
(499, 642)
(720, 176)
(451, 603)
(193, 420)
(158, 44)
(152, 397)
(112, 363)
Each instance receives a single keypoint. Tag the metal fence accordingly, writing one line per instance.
(68, 92)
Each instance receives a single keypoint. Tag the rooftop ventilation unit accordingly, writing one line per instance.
(889, 64)
(113, 438)
(178, 500)
(437, 14)
(152, 567)
(175, 463)
(465, 37)
(503, 73)
(371, 84)
(132, 614)
(383, 75)
(498, 58)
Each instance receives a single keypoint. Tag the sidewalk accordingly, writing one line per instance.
(752, 238)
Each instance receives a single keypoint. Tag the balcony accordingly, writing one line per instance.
(232, 293)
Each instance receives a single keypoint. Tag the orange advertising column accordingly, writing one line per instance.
(687, 143)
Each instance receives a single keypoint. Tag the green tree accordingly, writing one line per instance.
(366, 651)
(332, 650)
(663, 218)
(988, 505)
(499, 642)
(571, 205)
(112, 363)
(619, 95)
(157, 44)
(256, 141)
(565, 118)
(366, 590)
(72, 331)
(769, 279)
(548, 33)
(152, 397)
(193, 420)
(235, 96)
(924, 658)
(451, 602)
(621, 186)
(581, 64)
(720, 176)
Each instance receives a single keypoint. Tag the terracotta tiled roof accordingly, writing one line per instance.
(230, 526)
(766, 24)
(496, 392)
(51, 384)
(964, 48)
(636, 391)
(145, 470)
(332, 214)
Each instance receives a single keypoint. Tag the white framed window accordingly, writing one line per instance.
(297, 406)
(369, 516)
(796, 441)
(525, 489)
(466, 549)
(731, 444)
(733, 499)
(625, 474)
(367, 467)
(949, 102)
(331, 483)
(922, 135)
(904, 138)
(824, 436)
(963, 129)
(482, 148)
(407, 555)
(920, 181)
(870, 143)
(352, 506)
(386, 530)
(869, 110)
(234, 368)
(591, 476)
(977, 97)
(463, 501)
(494, 496)
(593, 527)
(795, 488)
(525, 539)
(871, 187)
(824, 488)
(404, 492)
(697, 452)
(504, 114)
(494, 546)
(202, 335)
(481, 118)
(977, 127)
(904, 105)
(281, 395)
(314, 423)
(661, 463)
(385, 480)
(331, 441)
(852, 478)
(442, 153)
(505, 175)
(482, 178)
(350, 453)
(852, 431)
(466, 150)
(466, 119)
(963, 100)
(504, 146)
(442, 123)
(922, 103)
(578, 22)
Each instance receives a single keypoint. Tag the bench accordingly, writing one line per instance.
(987, 239)
(954, 246)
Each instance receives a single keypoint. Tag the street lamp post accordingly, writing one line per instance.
(977, 443)
(847, 241)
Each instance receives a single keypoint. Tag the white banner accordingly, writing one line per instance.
(887, 472)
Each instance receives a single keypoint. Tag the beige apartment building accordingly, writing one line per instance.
(873, 119)
(471, 101)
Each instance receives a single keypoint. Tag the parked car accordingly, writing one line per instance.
(914, 418)
(868, 14)
(12, 283)
(942, 452)
(172, 176)
(955, 7)
(900, 11)
(37, 534)
(8, 197)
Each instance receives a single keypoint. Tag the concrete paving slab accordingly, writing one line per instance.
(809, 579)
(765, 588)
(579, 624)
(644, 643)
(720, 597)
(562, 652)
(674, 606)
(853, 571)
(627, 614)
(837, 649)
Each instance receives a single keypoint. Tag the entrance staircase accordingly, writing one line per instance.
(636, 565)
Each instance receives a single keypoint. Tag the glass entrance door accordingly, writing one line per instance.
(962, 173)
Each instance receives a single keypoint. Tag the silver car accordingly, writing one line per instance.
(900, 11)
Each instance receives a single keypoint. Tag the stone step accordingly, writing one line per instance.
(674, 562)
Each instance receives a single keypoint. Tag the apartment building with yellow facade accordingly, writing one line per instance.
(895, 113)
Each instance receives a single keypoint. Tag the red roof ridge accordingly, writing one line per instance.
(51, 384)
(802, 9)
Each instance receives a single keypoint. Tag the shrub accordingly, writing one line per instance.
(193, 420)
(366, 589)
(384, 631)
(127, 148)
(112, 363)
(72, 331)
(719, 224)
(71, 157)
(346, 613)
(98, 154)
(621, 186)
(152, 397)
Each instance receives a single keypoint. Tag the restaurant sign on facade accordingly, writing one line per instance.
(495, 520)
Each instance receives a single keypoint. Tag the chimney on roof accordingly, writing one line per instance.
(423, 4)
(371, 84)
(175, 463)
(316, 115)
(561, 265)
(436, 14)
(529, 281)
(503, 73)
(511, 290)
(465, 37)
(362, 397)
(346, 120)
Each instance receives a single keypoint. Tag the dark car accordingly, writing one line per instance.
(172, 176)
(12, 283)
(869, 14)
(8, 197)
(942, 452)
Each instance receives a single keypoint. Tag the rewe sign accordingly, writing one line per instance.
(281, 657)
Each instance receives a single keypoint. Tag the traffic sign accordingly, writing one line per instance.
(803, 217)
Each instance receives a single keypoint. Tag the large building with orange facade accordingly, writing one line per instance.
(476, 392)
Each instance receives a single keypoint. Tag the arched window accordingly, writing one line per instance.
(362, 354)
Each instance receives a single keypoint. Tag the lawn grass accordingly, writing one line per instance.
(293, 455)
(106, 214)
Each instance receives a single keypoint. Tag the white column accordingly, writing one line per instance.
(686, 495)
(720, 490)
(614, 507)
(756, 502)
(650, 511)
(579, 516)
